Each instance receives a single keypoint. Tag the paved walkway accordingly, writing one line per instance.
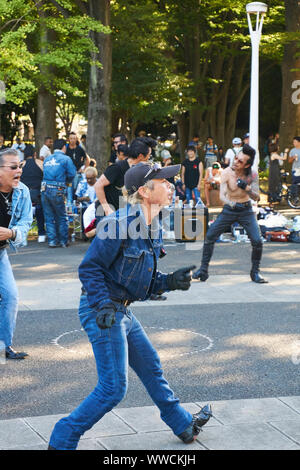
(62, 292)
(252, 424)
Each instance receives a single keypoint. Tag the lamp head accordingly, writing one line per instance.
(256, 7)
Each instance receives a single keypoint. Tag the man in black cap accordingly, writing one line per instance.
(239, 184)
(119, 268)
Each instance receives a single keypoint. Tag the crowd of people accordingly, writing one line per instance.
(65, 170)
(63, 175)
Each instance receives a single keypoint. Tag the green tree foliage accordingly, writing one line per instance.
(188, 60)
(145, 82)
(185, 60)
(23, 49)
(212, 45)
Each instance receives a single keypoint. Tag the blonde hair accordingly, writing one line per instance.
(136, 198)
(91, 169)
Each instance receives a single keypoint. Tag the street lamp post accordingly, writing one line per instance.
(259, 9)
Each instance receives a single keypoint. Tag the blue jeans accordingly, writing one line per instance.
(8, 301)
(114, 349)
(189, 194)
(54, 207)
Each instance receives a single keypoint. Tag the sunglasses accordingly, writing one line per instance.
(13, 167)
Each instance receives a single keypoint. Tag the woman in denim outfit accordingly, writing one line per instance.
(16, 220)
(120, 267)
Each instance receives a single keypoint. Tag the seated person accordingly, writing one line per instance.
(212, 180)
(85, 191)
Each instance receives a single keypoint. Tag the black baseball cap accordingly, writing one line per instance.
(139, 174)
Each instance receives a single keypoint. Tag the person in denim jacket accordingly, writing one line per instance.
(15, 222)
(59, 170)
(119, 268)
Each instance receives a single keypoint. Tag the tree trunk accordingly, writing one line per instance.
(46, 115)
(183, 133)
(99, 106)
(290, 100)
(46, 101)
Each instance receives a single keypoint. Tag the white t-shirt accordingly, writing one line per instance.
(91, 193)
(231, 153)
(296, 163)
(45, 152)
(216, 177)
(89, 215)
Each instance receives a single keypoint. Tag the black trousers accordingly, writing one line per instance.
(247, 219)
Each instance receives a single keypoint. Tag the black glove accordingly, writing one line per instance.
(106, 316)
(180, 279)
(241, 183)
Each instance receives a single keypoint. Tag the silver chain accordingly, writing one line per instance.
(6, 198)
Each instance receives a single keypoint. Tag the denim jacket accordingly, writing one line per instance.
(21, 218)
(123, 265)
(59, 168)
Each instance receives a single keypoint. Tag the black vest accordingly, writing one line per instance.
(32, 174)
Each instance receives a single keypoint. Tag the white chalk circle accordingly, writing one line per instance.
(169, 342)
(175, 342)
(75, 342)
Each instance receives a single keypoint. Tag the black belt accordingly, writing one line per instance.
(124, 302)
(242, 204)
(246, 204)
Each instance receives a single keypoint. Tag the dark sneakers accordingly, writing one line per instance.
(199, 420)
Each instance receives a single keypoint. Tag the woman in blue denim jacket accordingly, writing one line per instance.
(120, 267)
(15, 222)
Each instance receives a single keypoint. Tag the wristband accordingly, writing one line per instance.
(13, 235)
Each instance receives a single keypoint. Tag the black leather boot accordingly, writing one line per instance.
(202, 272)
(10, 353)
(199, 420)
(254, 273)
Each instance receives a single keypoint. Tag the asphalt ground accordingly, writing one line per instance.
(37, 261)
(213, 351)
